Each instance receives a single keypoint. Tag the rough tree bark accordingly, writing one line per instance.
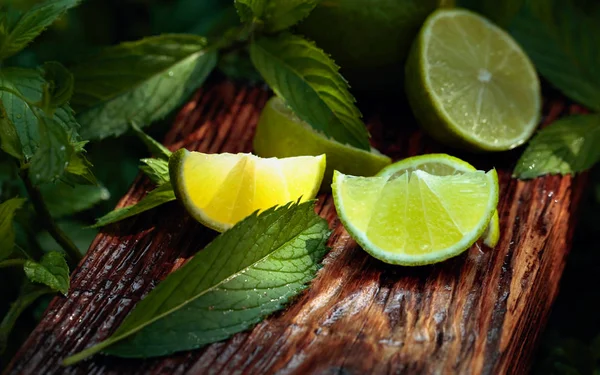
(479, 313)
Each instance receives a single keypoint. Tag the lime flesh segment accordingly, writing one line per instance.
(219, 190)
(442, 165)
(469, 83)
(416, 218)
(281, 134)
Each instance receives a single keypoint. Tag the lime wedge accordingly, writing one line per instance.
(442, 165)
(416, 218)
(281, 134)
(469, 83)
(219, 190)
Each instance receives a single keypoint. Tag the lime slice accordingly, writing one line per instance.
(281, 134)
(469, 83)
(442, 165)
(416, 218)
(219, 190)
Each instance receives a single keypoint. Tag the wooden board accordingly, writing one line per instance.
(480, 313)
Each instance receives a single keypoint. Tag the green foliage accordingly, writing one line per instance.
(245, 274)
(501, 12)
(275, 15)
(309, 82)
(156, 169)
(562, 39)
(250, 10)
(52, 270)
(7, 231)
(138, 82)
(162, 194)
(156, 148)
(569, 145)
(64, 200)
(18, 30)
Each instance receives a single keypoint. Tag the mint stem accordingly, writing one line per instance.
(73, 254)
(12, 263)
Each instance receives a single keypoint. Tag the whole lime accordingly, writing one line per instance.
(369, 39)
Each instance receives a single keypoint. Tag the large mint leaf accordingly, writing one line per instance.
(138, 82)
(53, 154)
(7, 231)
(162, 194)
(244, 275)
(18, 30)
(569, 145)
(52, 270)
(562, 39)
(20, 92)
(309, 82)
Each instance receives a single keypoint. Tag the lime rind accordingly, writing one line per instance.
(492, 233)
(404, 259)
(414, 162)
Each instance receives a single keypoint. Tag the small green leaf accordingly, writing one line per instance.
(52, 271)
(562, 40)
(59, 83)
(282, 14)
(250, 9)
(64, 200)
(155, 147)
(9, 139)
(157, 170)
(29, 294)
(7, 231)
(17, 31)
(569, 145)
(309, 82)
(138, 82)
(50, 160)
(245, 274)
(79, 170)
(162, 194)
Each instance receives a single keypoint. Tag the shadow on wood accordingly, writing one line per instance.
(481, 312)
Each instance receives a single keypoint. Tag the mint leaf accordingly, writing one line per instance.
(309, 82)
(155, 147)
(7, 231)
(157, 170)
(52, 270)
(162, 194)
(64, 200)
(29, 294)
(59, 84)
(18, 30)
(282, 14)
(569, 145)
(248, 10)
(245, 274)
(9, 139)
(79, 169)
(55, 150)
(138, 82)
(562, 40)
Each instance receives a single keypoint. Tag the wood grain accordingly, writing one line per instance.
(480, 313)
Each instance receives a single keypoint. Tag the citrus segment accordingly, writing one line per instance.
(416, 218)
(221, 189)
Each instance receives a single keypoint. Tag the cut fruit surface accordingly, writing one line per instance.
(219, 190)
(280, 134)
(442, 165)
(416, 218)
(470, 84)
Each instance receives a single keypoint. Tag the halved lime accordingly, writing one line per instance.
(416, 218)
(281, 134)
(470, 84)
(219, 190)
(442, 165)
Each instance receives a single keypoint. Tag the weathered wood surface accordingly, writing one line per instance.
(479, 313)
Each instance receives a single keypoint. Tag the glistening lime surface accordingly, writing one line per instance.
(416, 218)
(442, 165)
(470, 84)
(219, 190)
(281, 134)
